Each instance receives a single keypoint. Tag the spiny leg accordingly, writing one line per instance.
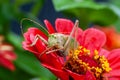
(37, 37)
(46, 50)
(55, 50)
(76, 34)
(70, 37)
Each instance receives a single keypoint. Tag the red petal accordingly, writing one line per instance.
(88, 60)
(93, 39)
(104, 52)
(35, 31)
(114, 60)
(115, 78)
(51, 60)
(29, 38)
(58, 72)
(6, 63)
(63, 25)
(49, 26)
(112, 42)
(89, 76)
(10, 55)
(76, 76)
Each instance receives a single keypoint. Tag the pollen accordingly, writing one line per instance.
(81, 50)
(86, 51)
(103, 62)
(80, 62)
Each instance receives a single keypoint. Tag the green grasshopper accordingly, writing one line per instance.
(58, 42)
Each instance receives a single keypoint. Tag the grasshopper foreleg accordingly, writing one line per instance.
(37, 37)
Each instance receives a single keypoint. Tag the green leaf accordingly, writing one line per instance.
(70, 4)
(15, 40)
(115, 2)
(31, 65)
(18, 74)
(87, 11)
(37, 7)
(6, 74)
(117, 25)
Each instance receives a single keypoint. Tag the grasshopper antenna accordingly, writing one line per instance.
(21, 23)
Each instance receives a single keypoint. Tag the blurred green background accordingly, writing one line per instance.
(88, 12)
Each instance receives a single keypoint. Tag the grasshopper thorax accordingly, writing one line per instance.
(57, 39)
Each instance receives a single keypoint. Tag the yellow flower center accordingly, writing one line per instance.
(80, 62)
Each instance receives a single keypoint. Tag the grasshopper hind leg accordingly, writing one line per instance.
(67, 44)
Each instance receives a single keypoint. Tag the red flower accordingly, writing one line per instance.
(6, 55)
(113, 37)
(88, 62)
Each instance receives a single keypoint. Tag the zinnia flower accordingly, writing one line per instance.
(7, 55)
(88, 62)
(113, 37)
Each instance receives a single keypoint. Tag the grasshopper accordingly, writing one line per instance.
(58, 42)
